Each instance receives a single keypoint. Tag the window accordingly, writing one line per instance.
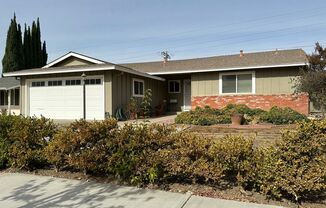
(93, 81)
(237, 83)
(55, 83)
(3, 98)
(138, 87)
(174, 86)
(73, 82)
(38, 84)
(14, 97)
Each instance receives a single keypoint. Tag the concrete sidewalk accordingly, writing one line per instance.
(22, 190)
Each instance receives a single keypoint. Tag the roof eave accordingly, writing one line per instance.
(9, 88)
(53, 71)
(132, 71)
(226, 69)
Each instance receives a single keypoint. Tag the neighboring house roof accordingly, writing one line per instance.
(8, 83)
(81, 68)
(267, 59)
(76, 55)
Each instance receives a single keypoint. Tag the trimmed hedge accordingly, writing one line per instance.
(277, 115)
(293, 168)
(22, 140)
(209, 116)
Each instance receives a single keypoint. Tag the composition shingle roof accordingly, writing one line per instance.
(78, 68)
(7, 83)
(257, 59)
(248, 60)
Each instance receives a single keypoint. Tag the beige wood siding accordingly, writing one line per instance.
(204, 84)
(268, 81)
(23, 96)
(72, 61)
(276, 80)
(122, 89)
(108, 92)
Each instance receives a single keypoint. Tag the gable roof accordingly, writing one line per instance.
(76, 55)
(8, 83)
(267, 59)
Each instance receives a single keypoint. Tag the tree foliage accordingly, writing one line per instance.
(13, 58)
(312, 79)
(24, 52)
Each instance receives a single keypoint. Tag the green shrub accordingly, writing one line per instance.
(6, 126)
(242, 109)
(235, 154)
(28, 137)
(133, 152)
(82, 146)
(58, 149)
(188, 159)
(277, 115)
(295, 167)
(203, 116)
(209, 116)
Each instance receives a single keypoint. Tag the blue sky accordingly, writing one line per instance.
(138, 30)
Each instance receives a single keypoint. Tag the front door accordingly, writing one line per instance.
(186, 95)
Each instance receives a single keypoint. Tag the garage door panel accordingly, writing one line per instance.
(66, 102)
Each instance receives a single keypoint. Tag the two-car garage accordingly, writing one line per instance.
(62, 98)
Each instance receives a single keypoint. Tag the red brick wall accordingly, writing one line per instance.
(299, 103)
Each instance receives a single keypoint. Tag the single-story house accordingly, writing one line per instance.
(259, 80)
(9, 95)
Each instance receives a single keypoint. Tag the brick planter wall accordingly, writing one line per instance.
(299, 103)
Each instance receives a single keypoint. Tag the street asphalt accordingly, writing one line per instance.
(32, 191)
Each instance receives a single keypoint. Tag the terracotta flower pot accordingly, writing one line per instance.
(236, 119)
(133, 116)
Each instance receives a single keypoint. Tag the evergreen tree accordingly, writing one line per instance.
(27, 53)
(34, 55)
(27, 47)
(44, 54)
(13, 58)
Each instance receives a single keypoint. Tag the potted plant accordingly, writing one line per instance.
(132, 108)
(236, 117)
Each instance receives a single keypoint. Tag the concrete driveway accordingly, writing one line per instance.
(31, 191)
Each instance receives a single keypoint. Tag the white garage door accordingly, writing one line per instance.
(63, 98)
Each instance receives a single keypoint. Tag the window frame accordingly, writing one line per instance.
(55, 83)
(253, 82)
(15, 97)
(175, 92)
(4, 101)
(133, 87)
(41, 82)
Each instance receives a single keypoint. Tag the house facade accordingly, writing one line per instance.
(259, 80)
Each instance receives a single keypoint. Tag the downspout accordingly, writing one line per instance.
(9, 102)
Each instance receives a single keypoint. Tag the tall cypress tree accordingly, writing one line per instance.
(39, 44)
(13, 59)
(34, 53)
(44, 54)
(27, 47)
(26, 54)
